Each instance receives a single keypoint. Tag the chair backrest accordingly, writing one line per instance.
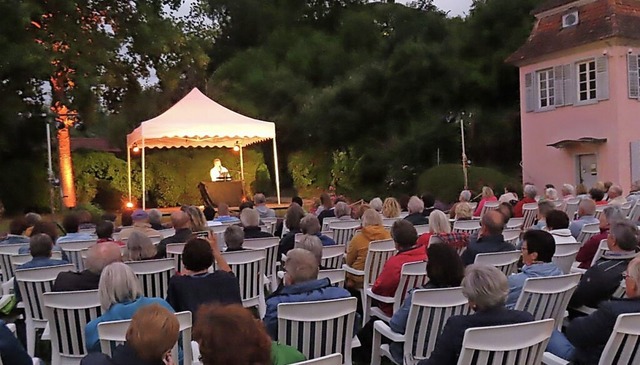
(68, 314)
(626, 209)
(529, 213)
(565, 256)
(20, 259)
(33, 283)
(522, 344)
(511, 235)
(318, 328)
(514, 223)
(333, 359)
(588, 231)
(153, 276)
(624, 343)
(429, 312)
(413, 275)
(602, 248)
(343, 231)
(388, 222)
(248, 266)
(174, 251)
(547, 297)
(571, 207)
(336, 276)
(114, 332)
(74, 249)
(378, 254)
(634, 213)
(6, 251)
(506, 262)
(599, 210)
(270, 247)
(328, 233)
(489, 206)
(468, 226)
(422, 229)
(327, 221)
(168, 232)
(332, 256)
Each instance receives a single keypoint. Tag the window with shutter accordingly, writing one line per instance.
(602, 78)
(586, 76)
(529, 95)
(634, 77)
(559, 85)
(546, 89)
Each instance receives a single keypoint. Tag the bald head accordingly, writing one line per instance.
(102, 254)
(492, 223)
(180, 219)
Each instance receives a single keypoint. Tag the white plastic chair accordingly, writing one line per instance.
(489, 206)
(588, 231)
(168, 232)
(514, 223)
(318, 328)
(412, 275)
(421, 229)
(602, 248)
(626, 209)
(74, 251)
(270, 247)
(113, 333)
(507, 262)
(571, 207)
(511, 235)
(248, 266)
(548, 297)
(634, 213)
(379, 252)
(328, 233)
(388, 222)
(336, 276)
(33, 283)
(430, 310)
(327, 221)
(343, 231)
(6, 268)
(599, 210)
(467, 226)
(565, 256)
(333, 256)
(529, 213)
(153, 276)
(174, 251)
(68, 314)
(271, 224)
(333, 359)
(17, 260)
(522, 344)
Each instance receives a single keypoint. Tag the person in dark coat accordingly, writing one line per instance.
(486, 288)
(489, 239)
(182, 226)
(151, 335)
(98, 257)
(250, 220)
(292, 221)
(11, 350)
(416, 207)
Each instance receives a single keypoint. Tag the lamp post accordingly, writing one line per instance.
(459, 118)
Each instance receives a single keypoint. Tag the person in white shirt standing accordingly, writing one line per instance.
(218, 172)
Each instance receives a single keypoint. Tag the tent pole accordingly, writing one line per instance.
(144, 182)
(242, 168)
(129, 171)
(275, 162)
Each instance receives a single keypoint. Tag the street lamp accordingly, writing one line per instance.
(459, 118)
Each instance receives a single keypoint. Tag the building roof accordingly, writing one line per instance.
(598, 20)
(566, 143)
(551, 4)
(93, 144)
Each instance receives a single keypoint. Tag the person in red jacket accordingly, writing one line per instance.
(530, 193)
(405, 236)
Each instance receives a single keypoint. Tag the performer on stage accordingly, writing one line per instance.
(219, 172)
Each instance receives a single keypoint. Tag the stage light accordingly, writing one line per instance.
(129, 205)
(236, 148)
(135, 148)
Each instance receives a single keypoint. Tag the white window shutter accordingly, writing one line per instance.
(632, 67)
(530, 97)
(558, 85)
(569, 85)
(602, 78)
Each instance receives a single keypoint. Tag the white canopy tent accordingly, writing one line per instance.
(197, 121)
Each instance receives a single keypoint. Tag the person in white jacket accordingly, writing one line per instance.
(558, 225)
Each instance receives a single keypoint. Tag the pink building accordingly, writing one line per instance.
(580, 105)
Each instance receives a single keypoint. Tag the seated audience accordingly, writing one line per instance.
(342, 211)
(551, 194)
(538, 248)
(510, 195)
(415, 207)
(586, 215)
(429, 203)
(325, 210)
(310, 225)
(507, 211)
(17, 227)
(357, 249)
(301, 284)
(298, 200)
(586, 337)
(86, 220)
(590, 248)
(125, 220)
(487, 196)
(544, 207)
(120, 297)
(601, 280)
(376, 204)
(598, 196)
(31, 218)
(140, 248)
(193, 288)
(489, 239)
(230, 335)
(209, 213)
(391, 208)
(11, 350)
(486, 288)
(155, 219)
(464, 197)
(530, 193)
(313, 245)
(182, 226)
(51, 230)
(292, 222)
(404, 235)
(71, 225)
(581, 191)
(558, 226)
(463, 211)
(140, 220)
(104, 231)
(438, 223)
(196, 218)
(251, 222)
(568, 192)
(224, 216)
(151, 336)
(98, 257)
(615, 195)
(358, 210)
(403, 200)
(234, 238)
(40, 246)
(261, 206)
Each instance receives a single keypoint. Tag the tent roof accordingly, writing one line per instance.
(197, 121)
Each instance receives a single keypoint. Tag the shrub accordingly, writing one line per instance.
(310, 170)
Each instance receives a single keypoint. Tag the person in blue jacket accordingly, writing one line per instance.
(11, 350)
(120, 298)
(301, 284)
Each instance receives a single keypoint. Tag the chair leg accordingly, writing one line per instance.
(376, 356)
(262, 306)
(31, 337)
(366, 306)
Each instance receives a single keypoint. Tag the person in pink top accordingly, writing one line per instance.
(487, 196)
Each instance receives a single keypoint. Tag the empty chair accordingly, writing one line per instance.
(343, 231)
(522, 343)
(318, 328)
(336, 276)
(506, 262)
(174, 251)
(68, 313)
(588, 231)
(333, 256)
(327, 221)
(248, 267)
(270, 247)
(514, 223)
(333, 359)
(529, 213)
(153, 276)
(74, 250)
(470, 226)
(511, 235)
(488, 206)
(565, 256)
(547, 297)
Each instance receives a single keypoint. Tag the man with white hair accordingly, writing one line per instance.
(261, 206)
(415, 207)
(250, 220)
(529, 197)
(615, 195)
(376, 204)
(586, 215)
(98, 257)
(568, 192)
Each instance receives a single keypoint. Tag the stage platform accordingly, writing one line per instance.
(279, 208)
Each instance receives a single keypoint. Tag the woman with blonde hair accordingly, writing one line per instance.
(140, 247)
(372, 230)
(487, 196)
(463, 212)
(120, 298)
(198, 220)
(438, 223)
(391, 208)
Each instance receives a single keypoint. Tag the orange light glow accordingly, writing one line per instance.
(135, 149)
(236, 148)
(129, 205)
(66, 169)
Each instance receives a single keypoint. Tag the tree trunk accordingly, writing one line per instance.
(67, 183)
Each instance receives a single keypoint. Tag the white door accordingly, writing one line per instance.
(587, 170)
